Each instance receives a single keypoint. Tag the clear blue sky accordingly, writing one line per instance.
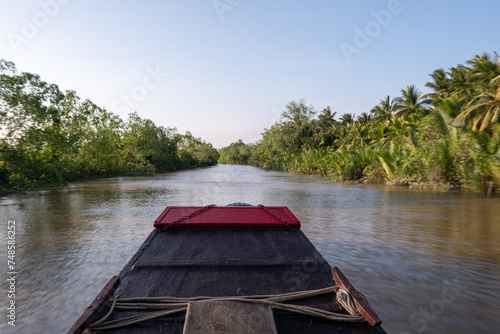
(225, 69)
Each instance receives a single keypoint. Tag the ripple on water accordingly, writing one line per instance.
(401, 248)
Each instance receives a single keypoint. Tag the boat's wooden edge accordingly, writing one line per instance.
(98, 304)
(361, 305)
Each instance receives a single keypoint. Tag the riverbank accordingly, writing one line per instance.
(50, 137)
(447, 139)
(90, 178)
(434, 186)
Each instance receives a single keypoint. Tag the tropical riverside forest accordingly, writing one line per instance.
(446, 139)
(50, 137)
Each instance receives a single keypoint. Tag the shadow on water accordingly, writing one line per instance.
(427, 262)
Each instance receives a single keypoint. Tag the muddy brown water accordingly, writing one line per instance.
(427, 262)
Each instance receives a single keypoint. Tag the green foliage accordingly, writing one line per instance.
(156, 145)
(237, 153)
(50, 137)
(196, 152)
(476, 87)
(411, 103)
(295, 125)
(449, 138)
(384, 111)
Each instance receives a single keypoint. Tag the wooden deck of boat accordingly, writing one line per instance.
(234, 261)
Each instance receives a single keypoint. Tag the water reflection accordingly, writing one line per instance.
(401, 247)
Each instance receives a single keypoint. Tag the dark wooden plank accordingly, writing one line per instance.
(219, 264)
(361, 305)
(95, 307)
(306, 270)
(216, 316)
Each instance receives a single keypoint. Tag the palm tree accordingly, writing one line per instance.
(460, 82)
(364, 118)
(484, 109)
(440, 84)
(385, 110)
(411, 102)
(451, 106)
(326, 118)
(358, 134)
(484, 68)
(347, 119)
(325, 134)
(380, 134)
(483, 102)
(400, 128)
(341, 136)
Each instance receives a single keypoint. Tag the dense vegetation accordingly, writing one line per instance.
(51, 137)
(449, 138)
(237, 153)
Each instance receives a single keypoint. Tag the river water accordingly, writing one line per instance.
(427, 262)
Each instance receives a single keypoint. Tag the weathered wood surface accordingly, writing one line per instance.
(168, 264)
(215, 317)
(97, 306)
(361, 305)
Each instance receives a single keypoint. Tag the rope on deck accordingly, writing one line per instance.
(162, 306)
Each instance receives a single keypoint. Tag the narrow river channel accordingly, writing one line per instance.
(427, 262)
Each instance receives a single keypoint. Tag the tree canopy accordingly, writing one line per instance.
(49, 137)
(448, 138)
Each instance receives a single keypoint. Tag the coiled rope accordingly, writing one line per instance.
(162, 306)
